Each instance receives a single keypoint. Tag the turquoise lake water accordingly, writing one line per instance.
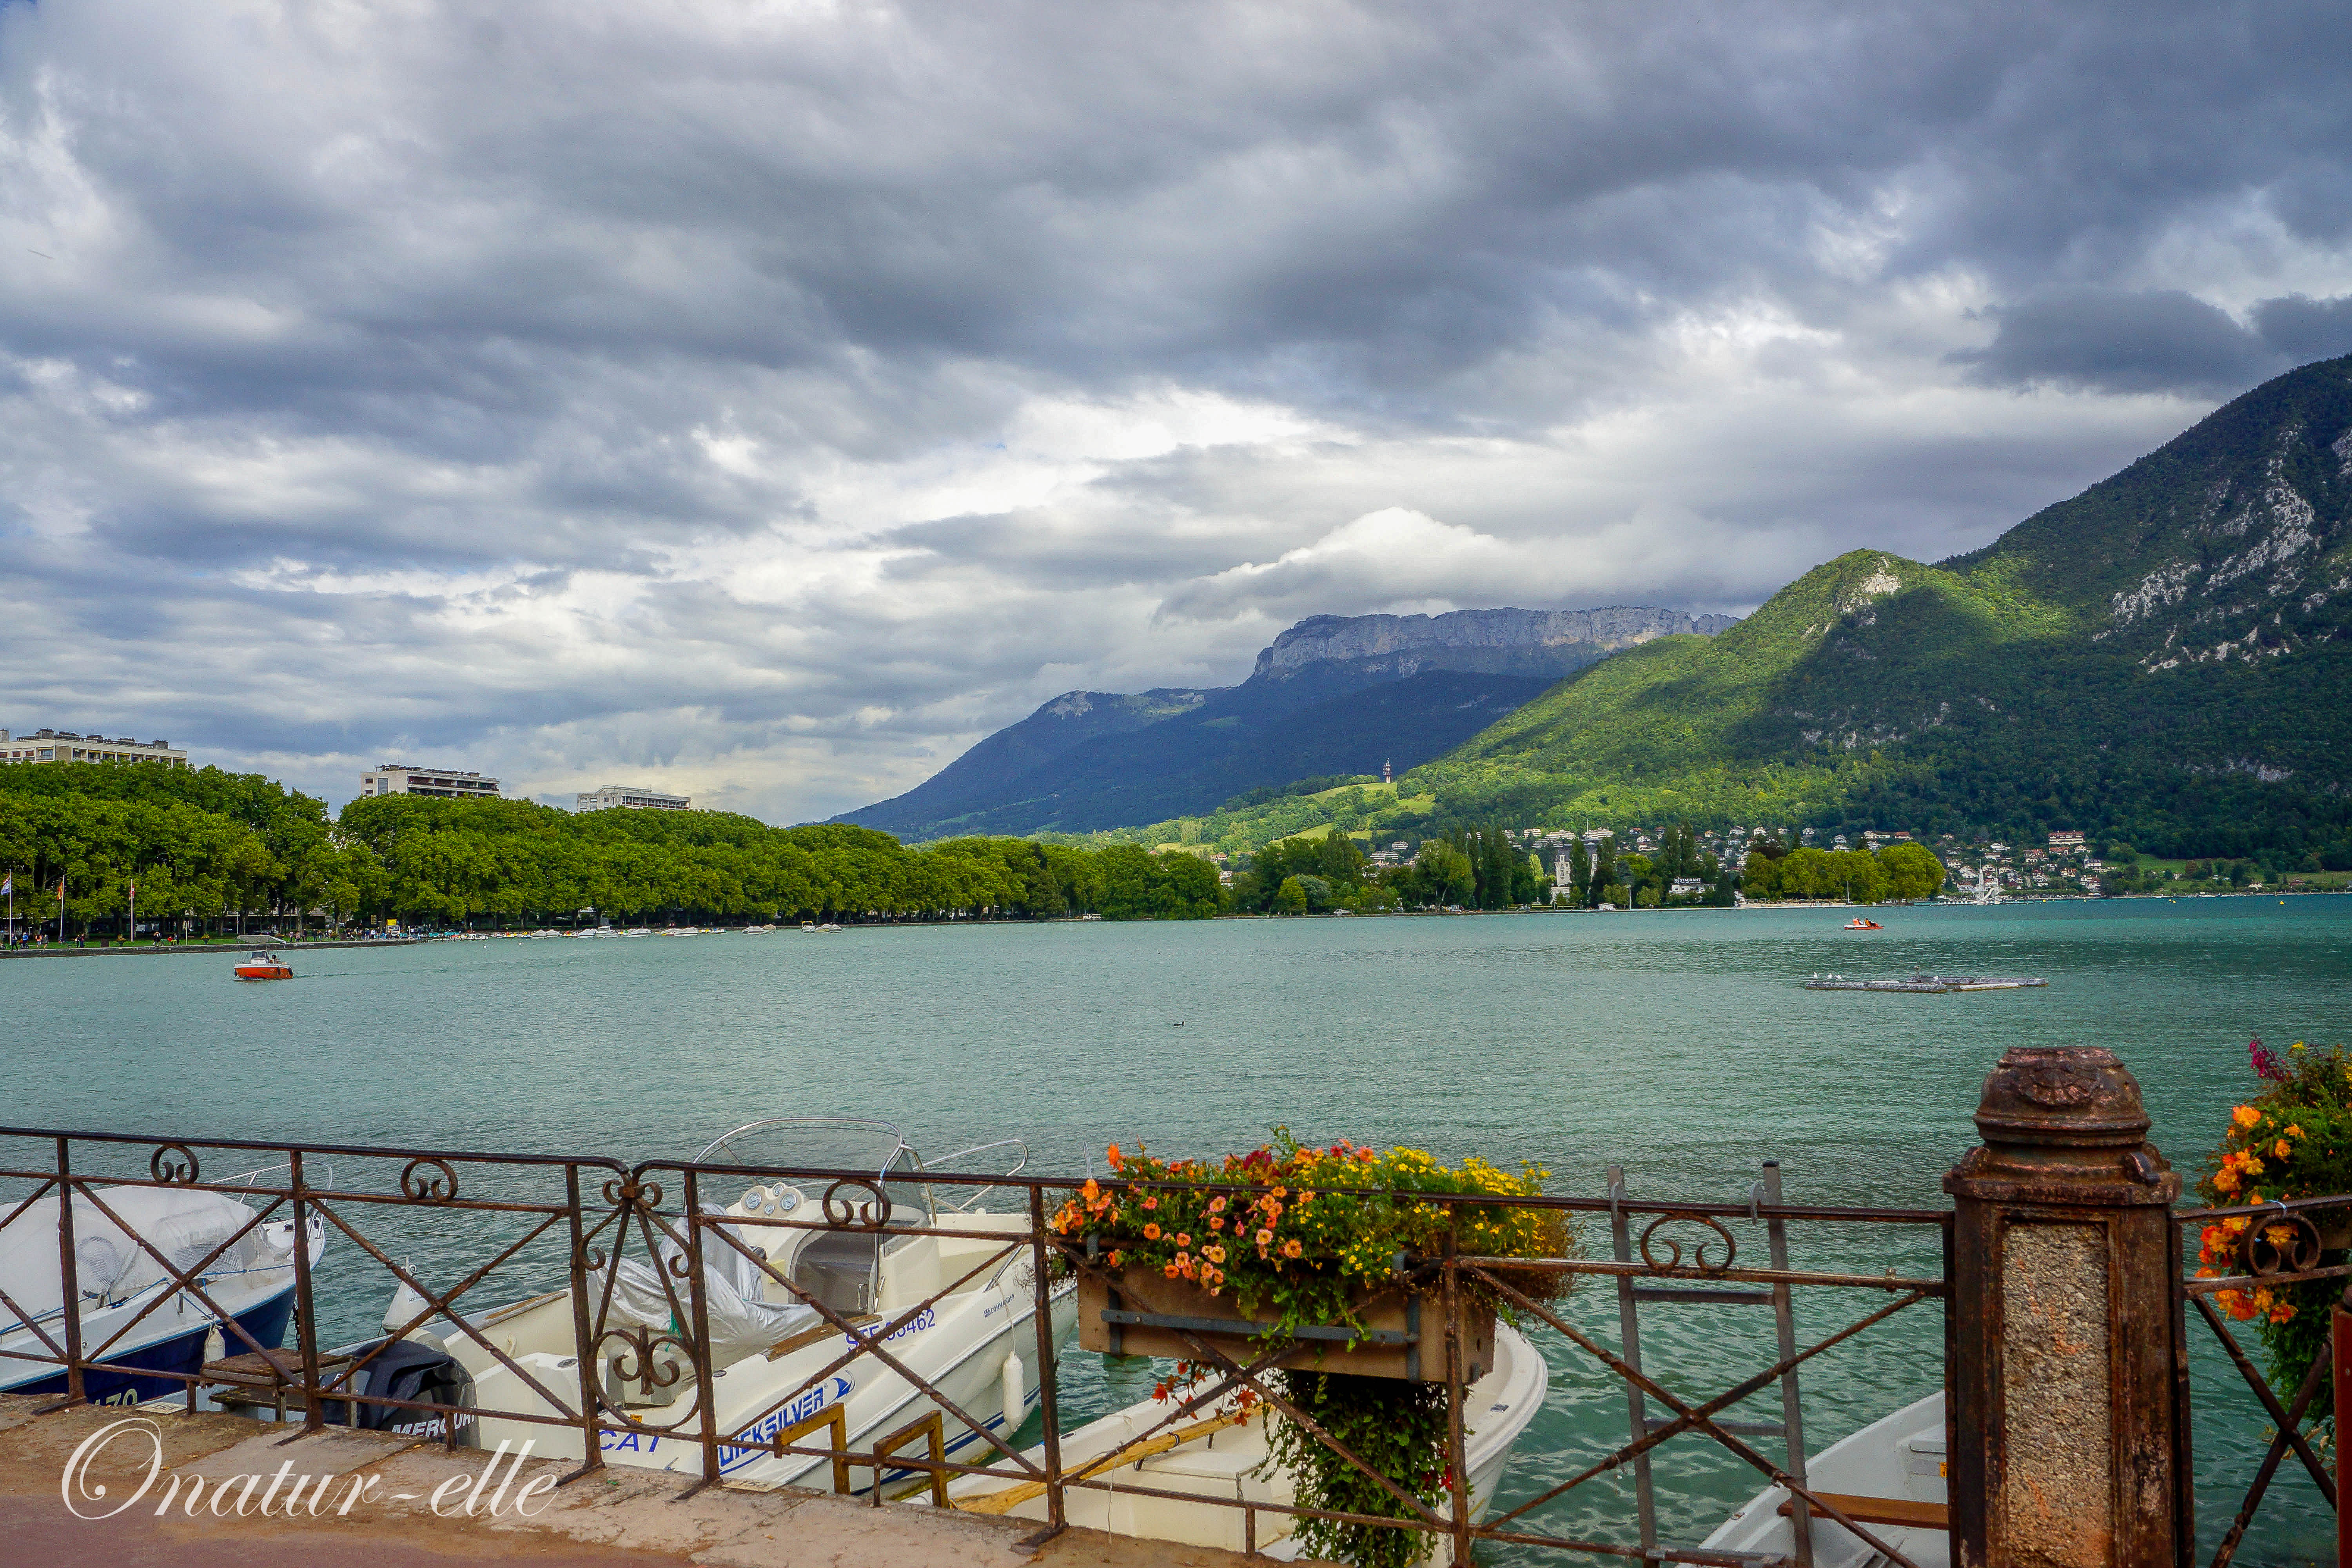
(1679, 1045)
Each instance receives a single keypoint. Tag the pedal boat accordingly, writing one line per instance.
(1210, 1456)
(978, 1345)
(1889, 1477)
(264, 966)
(119, 1280)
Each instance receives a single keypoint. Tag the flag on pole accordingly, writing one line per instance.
(9, 883)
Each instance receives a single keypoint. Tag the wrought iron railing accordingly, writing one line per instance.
(2270, 1248)
(513, 1235)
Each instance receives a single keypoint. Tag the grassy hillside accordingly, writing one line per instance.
(2166, 658)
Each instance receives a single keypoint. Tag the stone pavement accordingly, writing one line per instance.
(621, 1519)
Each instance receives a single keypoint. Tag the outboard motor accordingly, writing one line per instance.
(407, 1369)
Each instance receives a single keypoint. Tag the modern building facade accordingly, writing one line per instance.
(65, 746)
(448, 784)
(632, 797)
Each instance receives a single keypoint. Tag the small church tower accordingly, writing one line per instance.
(1386, 777)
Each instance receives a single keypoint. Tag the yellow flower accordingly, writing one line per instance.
(2291, 1131)
(2282, 1149)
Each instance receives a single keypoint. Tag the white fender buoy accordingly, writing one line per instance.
(1016, 1397)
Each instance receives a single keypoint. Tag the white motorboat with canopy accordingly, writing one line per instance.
(957, 1311)
(134, 1316)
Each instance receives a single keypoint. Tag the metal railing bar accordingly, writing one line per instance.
(1608, 1268)
(1668, 1427)
(1654, 1391)
(2286, 1427)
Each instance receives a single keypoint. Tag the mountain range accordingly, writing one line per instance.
(2165, 658)
(1334, 694)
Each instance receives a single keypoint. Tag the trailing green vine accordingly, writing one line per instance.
(1396, 1427)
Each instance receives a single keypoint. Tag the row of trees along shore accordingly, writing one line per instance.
(208, 849)
(205, 849)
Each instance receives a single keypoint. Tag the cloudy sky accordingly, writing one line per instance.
(765, 401)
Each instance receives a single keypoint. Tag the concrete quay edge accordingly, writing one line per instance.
(621, 1518)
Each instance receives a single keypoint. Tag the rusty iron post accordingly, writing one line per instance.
(2068, 1450)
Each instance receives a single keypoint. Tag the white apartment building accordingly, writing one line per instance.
(632, 797)
(448, 784)
(65, 746)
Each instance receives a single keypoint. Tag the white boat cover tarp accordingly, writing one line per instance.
(182, 1224)
(740, 1323)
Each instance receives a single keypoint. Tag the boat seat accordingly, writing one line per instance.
(1883, 1511)
(836, 1267)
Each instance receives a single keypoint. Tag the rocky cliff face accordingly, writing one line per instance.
(1441, 641)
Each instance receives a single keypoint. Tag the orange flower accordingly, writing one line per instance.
(2225, 1180)
(2293, 1130)
(1091, 1191)
(1115, 1257)
(1151, 1232)
(1217, 1205)
(1265, 1237)
(1171, 1271)
(1213, 1254)
(1291, 1248)
(1117, 1159)
(2282, 1150)
(1183, 1240)
(1217, 1224)
(2246, 1116)
(1152, 1202)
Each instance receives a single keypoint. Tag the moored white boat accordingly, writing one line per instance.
(1889, 1477)
(120, 1281)
(977, 1343)
(1224, 1462)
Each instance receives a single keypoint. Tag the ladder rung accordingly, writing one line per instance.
(1711, 1298)
(1737, 1428)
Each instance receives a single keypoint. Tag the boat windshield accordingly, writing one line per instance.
(813, 1142)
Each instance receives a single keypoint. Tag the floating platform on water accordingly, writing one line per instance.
(1988, 982)
(1927, 985)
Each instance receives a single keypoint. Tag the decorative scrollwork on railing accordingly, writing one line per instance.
(630, 1193)
(164, 1168)
(2288, 1243)
(652, 1372)
(872, 1213)
(1699, 1262)
(420, 1189)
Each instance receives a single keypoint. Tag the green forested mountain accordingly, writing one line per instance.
(2165, 658)
(1334, 694)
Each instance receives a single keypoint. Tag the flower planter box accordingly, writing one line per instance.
(1147, 1314)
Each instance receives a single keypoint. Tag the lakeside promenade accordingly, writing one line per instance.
(218, 948)
(622, 1519)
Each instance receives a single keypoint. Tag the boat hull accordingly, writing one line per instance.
(1899, 1458)
(1227, 1464)
(179, 1349)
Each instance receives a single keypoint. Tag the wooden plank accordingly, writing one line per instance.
(1883, 1511)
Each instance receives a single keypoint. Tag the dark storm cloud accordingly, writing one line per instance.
(662, 387)
(2157, 340)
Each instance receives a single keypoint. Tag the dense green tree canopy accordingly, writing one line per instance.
(203, 844)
